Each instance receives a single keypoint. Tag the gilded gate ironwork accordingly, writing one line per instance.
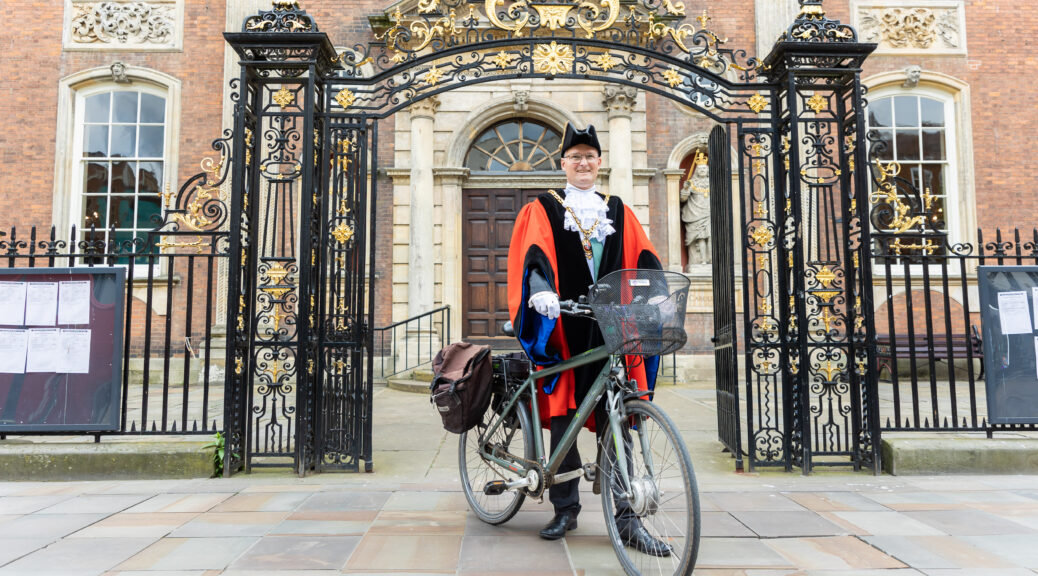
(302, 222)
(823, 243)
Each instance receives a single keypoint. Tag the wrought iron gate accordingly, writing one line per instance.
(726, 355)
(302, 216)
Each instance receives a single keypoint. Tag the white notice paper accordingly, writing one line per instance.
(75, 350)
(1036, 351)
(12, 351)
(44, 350)
(12, 303)
(41, 303)
(74, 303)
(1034, 298)
(1014, 313)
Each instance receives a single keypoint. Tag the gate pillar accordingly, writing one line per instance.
(276, 216)
(830, 399)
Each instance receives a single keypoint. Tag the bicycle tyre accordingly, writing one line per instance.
(671, 514)
(476, 472)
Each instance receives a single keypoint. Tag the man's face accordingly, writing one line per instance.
(580, 171)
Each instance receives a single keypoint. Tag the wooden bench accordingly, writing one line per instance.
(941, 346)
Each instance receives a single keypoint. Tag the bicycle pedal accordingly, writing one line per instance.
(590, 472)
(495, 488)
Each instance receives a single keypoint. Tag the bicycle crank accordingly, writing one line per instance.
(498, 487)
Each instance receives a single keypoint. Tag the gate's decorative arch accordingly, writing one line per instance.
(304, 139)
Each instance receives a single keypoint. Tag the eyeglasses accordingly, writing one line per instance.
(578, 157)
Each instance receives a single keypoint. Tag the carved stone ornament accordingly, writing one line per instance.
(426, 108)
(619, 100)
(119, 73)
(911, 28)
(520, 100)
(912, 75)
(149, 24)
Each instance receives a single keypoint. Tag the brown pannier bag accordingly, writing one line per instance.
(461, 385)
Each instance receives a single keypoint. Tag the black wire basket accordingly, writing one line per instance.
(641, 312)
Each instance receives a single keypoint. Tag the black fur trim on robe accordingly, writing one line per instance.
(582, 334)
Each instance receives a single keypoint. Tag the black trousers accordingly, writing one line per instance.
(566, 496)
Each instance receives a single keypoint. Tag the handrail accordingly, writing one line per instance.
(424, 350)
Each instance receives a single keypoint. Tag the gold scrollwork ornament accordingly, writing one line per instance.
(284, 97)
(342, 233)
(672, 76)
(757, 103)
(605, 61)
(552, 58)
(345, 98)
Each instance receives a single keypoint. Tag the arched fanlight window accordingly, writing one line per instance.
(515, 146)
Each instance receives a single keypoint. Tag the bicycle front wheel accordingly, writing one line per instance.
(513, 436)
(663, 497)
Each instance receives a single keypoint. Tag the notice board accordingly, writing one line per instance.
(1009, 315)
(61, 349)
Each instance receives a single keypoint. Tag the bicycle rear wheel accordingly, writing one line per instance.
(513, 436)
(665, 497)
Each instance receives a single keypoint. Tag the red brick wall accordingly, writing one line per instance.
(897, 308)
(33, 64)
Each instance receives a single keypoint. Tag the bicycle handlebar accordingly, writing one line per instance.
(571, 308)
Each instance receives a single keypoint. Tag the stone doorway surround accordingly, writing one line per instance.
(431, 142)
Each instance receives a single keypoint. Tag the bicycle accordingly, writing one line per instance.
(502, 460)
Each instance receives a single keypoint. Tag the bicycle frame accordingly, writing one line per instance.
(598, 389)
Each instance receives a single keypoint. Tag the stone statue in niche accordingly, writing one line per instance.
(695, 211)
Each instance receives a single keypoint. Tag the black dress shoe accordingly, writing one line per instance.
(563, 521)
(634, 534)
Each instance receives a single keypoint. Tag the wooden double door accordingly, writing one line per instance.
(488, 216)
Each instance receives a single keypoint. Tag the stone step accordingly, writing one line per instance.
(406, 385)
(422, 374)
(960, 455)
(111, 459)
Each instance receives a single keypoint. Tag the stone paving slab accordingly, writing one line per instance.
(885, 523)
(14, 548)
(937, 552)
(410, 517)
(968, 522)
(786, 524)
(297, 553)
(189, 554)
(77, 556)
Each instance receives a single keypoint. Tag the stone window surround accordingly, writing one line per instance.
(177, 44)
(956, 93)
(95, 80)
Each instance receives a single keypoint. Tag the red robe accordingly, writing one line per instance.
(539, 241)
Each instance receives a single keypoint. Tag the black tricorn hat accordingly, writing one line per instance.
(574, 137)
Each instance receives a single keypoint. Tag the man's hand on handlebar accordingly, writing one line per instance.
(571, 308)
(547, 304)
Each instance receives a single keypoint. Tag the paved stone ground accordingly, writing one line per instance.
(410, 517)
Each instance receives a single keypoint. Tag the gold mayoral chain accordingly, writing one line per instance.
(585, 242)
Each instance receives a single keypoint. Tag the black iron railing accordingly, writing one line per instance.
(410, 343)
(929, 351)
(173, 349)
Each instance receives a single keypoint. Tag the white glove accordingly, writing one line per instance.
(546, 304)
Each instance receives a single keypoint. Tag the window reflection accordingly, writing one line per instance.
(123, 165)
(515, 146)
